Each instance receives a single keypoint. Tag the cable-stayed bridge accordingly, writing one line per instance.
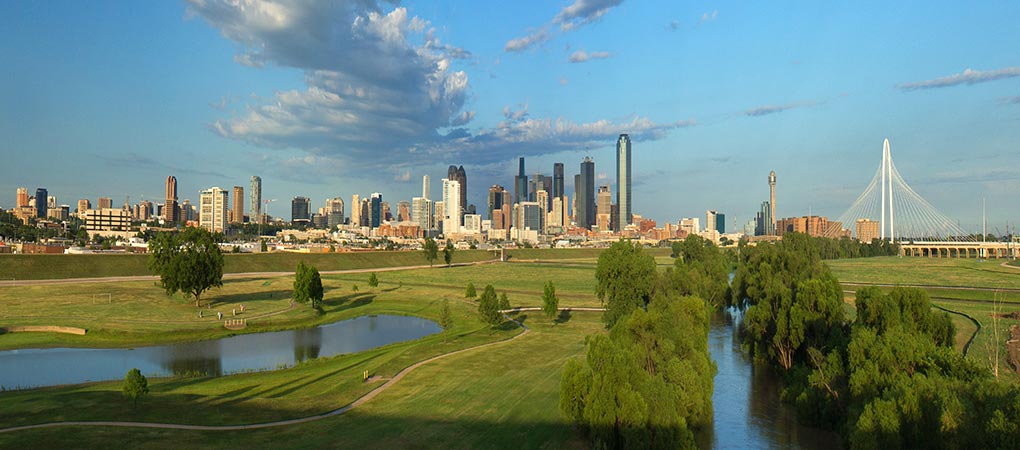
(904, 217)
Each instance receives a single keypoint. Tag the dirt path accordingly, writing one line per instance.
(363, 399)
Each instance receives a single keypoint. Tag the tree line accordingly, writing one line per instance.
(887, 379)
(648, 382)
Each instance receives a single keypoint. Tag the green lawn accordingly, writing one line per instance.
(926, 271)
(504, 396)
(39, 267)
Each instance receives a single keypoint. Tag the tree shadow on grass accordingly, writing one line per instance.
(563, 317)
(249, 297)
(520, 318)
(348, 302)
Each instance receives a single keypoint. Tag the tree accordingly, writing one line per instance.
(626, 279)
(431, 250)
(189, 261)
(470, 291)
(135, 385)
(448, 253)
(504, 302)
(445, 319)
(373, 280)
(308, 286)
(550, 304)
(488, 307)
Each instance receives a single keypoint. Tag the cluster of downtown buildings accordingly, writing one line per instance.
(538, 210)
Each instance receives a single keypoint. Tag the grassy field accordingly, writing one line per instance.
(41, 267)
(926, 271)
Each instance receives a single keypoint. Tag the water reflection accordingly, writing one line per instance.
(747, 410)
(247, 352)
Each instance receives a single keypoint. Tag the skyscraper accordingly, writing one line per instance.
(334, 212)
(604, 210)
(457, 174)
(586, 195)
(170, 208)
(403, 211)
(451, 206)
(300, 210)
(23, 198)
(421, 213)
(497, 196)
(376, 211)
(772, 200)
(212, 213)
(521, 184)
(255, 192)
(238, 205)
(623, 181)
(557, 183)
(425, 186)
(356, 210)
(40, 202)
(104, 203)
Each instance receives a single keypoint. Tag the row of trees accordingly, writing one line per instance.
(649, 382)
(887, 379)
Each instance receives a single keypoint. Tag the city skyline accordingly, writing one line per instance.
(141, 109)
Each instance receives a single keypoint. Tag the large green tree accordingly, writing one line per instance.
(550, 303)
(626, 279)
(488, 307)
(308, 285)
(431, 250)
(135, 385)
(189, 261)
(448, 253)
(700, 270)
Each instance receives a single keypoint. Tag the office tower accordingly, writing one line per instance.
(366, 212)
(104, 203)
(22, 201)
(558, 215)
(403, 211)
(212, 214)
(764, 225)
(334, 212)
(711, 218)
(356, 210)
(300, 210)
(542, 198)
(170, 208)
(472, 224)
(604, 208)
(40, 202)
(690, 224)
(376, 211)
(238, 204)
(557, 183)
(772, 201)
(451, 205)
(521, 184)
(51, 201)
(255, 198)
(439, 210)
(528, 216)
(586, 194)
(457, 174)
(720, 222)
(497, 196)
(623, 181)
(421, 213)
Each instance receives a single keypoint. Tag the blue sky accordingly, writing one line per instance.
(327, 98)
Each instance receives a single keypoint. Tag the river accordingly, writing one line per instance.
(748, 413)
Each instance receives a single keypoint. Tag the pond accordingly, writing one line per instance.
(27, 368)
(747, 410)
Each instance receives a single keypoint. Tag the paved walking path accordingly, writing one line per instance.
(363, 399)
(226, 276)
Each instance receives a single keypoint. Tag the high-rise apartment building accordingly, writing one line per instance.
(403, 211)
(542, 198)
(421, 213)
(255, 197)
(585, 216)
(238, 204)
(170, 208)
(520, 183)
(451, 204)
(40, 202)
(300, 210)
(212, 209)
(623, 181)
(83, 205)
(866, 230)
(376, 214)
(356, 210)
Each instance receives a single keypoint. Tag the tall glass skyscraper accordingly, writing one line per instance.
(586, 195)
(557, 184)
(40, 202)
(520, 184)
(255, 194)
(623, 181)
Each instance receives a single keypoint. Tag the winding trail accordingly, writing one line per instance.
(336, 412)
